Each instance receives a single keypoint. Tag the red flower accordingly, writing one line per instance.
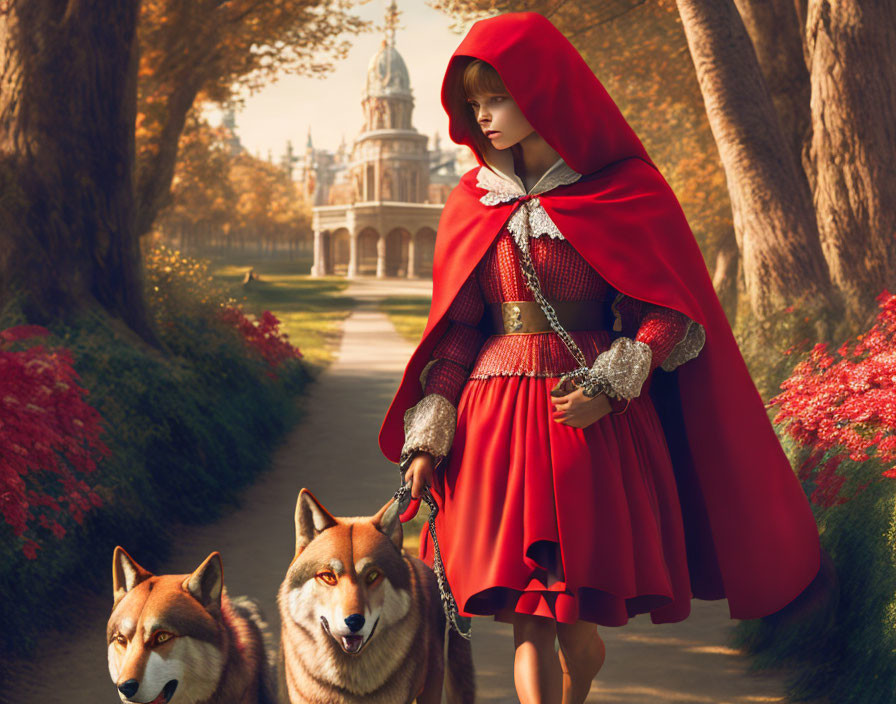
(844, 400)
(263, 336)
(30, 549)
(49, 436)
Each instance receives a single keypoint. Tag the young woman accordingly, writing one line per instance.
(578, 404)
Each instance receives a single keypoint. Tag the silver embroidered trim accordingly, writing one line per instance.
(530, 219)
(425, 373)
(429, 426)
(502, 186)
(500, 190)
(625, 366)
(688, 348)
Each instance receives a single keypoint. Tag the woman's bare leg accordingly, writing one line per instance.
(536, 669)
(582, 654)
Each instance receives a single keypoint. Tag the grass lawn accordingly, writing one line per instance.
(310, 309)
(408, 315)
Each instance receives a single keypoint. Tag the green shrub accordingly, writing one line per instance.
(187, 428)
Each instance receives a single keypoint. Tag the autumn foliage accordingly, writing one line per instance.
(229, 200)
(49, 439)
(218, 51)
(842, 406)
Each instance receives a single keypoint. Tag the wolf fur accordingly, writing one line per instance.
(361, 621)
(180, 639)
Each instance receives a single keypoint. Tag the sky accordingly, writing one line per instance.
(331, 107)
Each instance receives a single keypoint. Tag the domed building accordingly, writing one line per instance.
(375, 211)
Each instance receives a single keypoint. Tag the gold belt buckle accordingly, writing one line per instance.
(513, 319)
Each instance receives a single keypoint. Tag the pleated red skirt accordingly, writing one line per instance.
(541, 518)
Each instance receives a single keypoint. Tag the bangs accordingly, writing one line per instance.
(481, 77)
(477, 77)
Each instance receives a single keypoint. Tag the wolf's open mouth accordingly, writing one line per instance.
(349, 644)
(166, 694)
(352, 644)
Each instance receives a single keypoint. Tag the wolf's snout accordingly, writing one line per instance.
(129, 688)
(355, 622)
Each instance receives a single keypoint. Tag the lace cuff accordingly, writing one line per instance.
(429, 426)
(624, 367)
(688, 348)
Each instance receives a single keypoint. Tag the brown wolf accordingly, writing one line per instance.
(180, 638)
(361, 621)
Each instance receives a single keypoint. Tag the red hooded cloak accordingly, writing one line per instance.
(749, 529)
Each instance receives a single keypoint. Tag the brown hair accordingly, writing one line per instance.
(478, 77)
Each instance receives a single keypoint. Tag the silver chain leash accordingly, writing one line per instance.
(583, 376)
(461, 624)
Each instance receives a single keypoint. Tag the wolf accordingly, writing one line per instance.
(180, 638)
(361, 621)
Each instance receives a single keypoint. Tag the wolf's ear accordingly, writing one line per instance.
(311, 519)
(387, 521)
(126, 573)
(207, 582)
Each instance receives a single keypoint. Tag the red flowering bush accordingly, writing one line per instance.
(49, 438)
(843, 405)
(263, 335)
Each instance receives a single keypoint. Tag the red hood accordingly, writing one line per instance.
(553, 86)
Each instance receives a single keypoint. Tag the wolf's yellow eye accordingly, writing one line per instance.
(119, 639)
(162, 637)
(327, 578)
(372, 576)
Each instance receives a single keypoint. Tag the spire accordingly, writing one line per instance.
(308, 144)
(288, 160)
(228, 118)
(391, 24)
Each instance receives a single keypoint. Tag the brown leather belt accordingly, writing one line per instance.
(522, 317)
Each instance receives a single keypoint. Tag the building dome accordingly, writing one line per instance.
(387, 75)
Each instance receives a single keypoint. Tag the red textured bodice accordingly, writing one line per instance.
(465, 351)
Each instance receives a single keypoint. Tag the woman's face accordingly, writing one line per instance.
(500, 119)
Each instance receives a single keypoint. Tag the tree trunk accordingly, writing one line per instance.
(67, 112)
(852, 48)
(776, 31)
(774, 221)
(724, 279)
(156, 171)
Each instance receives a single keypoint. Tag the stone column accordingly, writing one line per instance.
(381, 257)
(318, 266)
(352, 253)
(412, 264)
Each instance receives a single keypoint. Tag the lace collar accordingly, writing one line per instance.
(504, 185)
(530, 219)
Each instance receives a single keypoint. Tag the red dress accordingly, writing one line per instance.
(534, 515)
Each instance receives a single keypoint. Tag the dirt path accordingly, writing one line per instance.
(334, 453)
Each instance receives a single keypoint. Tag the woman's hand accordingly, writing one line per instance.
(579, 411)
(419, 474)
